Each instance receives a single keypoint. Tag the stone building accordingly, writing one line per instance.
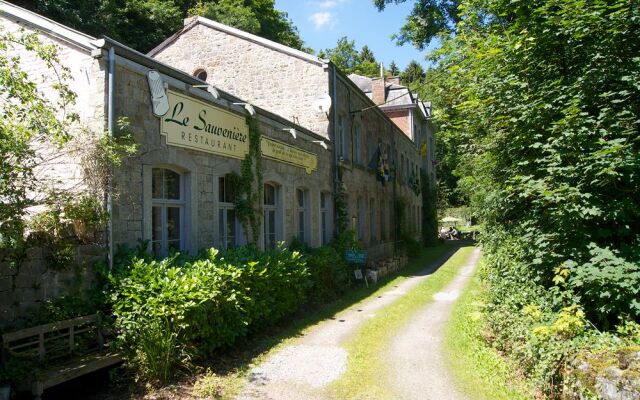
(411, 114)
(176, 192)
(368, 147)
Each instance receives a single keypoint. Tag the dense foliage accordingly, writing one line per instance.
(170, 311)
(143, 24)
(539, 106)
(27, 118)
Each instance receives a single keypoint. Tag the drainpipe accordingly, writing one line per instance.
(336, 178)
(110, 131)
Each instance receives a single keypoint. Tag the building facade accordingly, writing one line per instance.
(177, 192)
(376, 166)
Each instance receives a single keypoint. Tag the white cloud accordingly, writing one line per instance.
(322, 19)
(327, 4)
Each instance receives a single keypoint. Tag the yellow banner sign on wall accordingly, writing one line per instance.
(282, 152)
(194, 124)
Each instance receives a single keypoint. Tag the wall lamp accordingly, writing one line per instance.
(292, 131)
(321, 143)
(213, 91)
(247, 107)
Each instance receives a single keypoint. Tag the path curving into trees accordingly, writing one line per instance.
(306, 368)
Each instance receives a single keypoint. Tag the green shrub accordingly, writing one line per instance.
(329, 273)
(172, 310)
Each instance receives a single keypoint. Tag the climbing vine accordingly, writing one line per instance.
(249, 186)
(341, 210)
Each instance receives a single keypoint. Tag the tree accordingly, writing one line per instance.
(413, 74)
(28, 119)
(143, 24)
(428, 19)
(344, 55)
(393, 69)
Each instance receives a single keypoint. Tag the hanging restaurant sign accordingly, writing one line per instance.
(282, 152)
(194, 124)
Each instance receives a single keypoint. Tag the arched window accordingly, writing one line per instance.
(302, 220)
(201, 74)
(272, 223)
(167, 211)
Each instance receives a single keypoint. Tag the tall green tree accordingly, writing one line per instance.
(544, 99)
(413, 75)
(393, 69)
(142, 24)
(347, 57)
(428, 20)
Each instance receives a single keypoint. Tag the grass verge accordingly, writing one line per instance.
(226, 375)
(366, 368)
(478, 369)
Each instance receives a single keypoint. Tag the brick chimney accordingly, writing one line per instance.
(378, 90)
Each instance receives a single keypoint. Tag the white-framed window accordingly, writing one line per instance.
(229, 228)
(272, 223)
(372, 221)
(325, 228)
(360, 217)
(302, 215)
(167, 211)
(357, 145)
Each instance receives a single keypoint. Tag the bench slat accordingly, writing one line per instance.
(78, 368)
(54, 326)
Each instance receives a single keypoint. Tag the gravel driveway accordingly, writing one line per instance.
(303, 369)
(419, 364)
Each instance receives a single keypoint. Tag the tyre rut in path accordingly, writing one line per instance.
(416, 354)
(301, 370)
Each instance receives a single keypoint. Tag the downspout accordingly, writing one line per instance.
(336, 178)
(110, 132)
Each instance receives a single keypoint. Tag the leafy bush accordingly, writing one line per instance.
(329, 273)
(169, 311)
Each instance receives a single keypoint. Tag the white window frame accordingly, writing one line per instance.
(164, 204)
(276, 209)
(303, 220)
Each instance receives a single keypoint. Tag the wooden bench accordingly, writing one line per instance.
(62, 350)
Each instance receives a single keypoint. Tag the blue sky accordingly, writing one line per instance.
(322, 22)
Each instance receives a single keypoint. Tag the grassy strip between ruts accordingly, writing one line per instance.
(478, 369)
(366, 369)
(227, 384)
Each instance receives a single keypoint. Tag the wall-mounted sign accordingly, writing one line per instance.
(194, 124)
(282, 152)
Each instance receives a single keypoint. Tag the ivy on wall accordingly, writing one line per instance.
(249, 185)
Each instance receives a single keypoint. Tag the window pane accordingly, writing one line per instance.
(221, 226)
(300, 198)
(322, 201)
(172, 185)
(269, 195)
(173, 223)
(156, 183)
(231, 228)
(323, 218)
(221, 183)
(301, 225)
(156, 224)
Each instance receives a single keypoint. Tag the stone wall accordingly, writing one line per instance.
(26, 284)
(131, 211)
(271, 79)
